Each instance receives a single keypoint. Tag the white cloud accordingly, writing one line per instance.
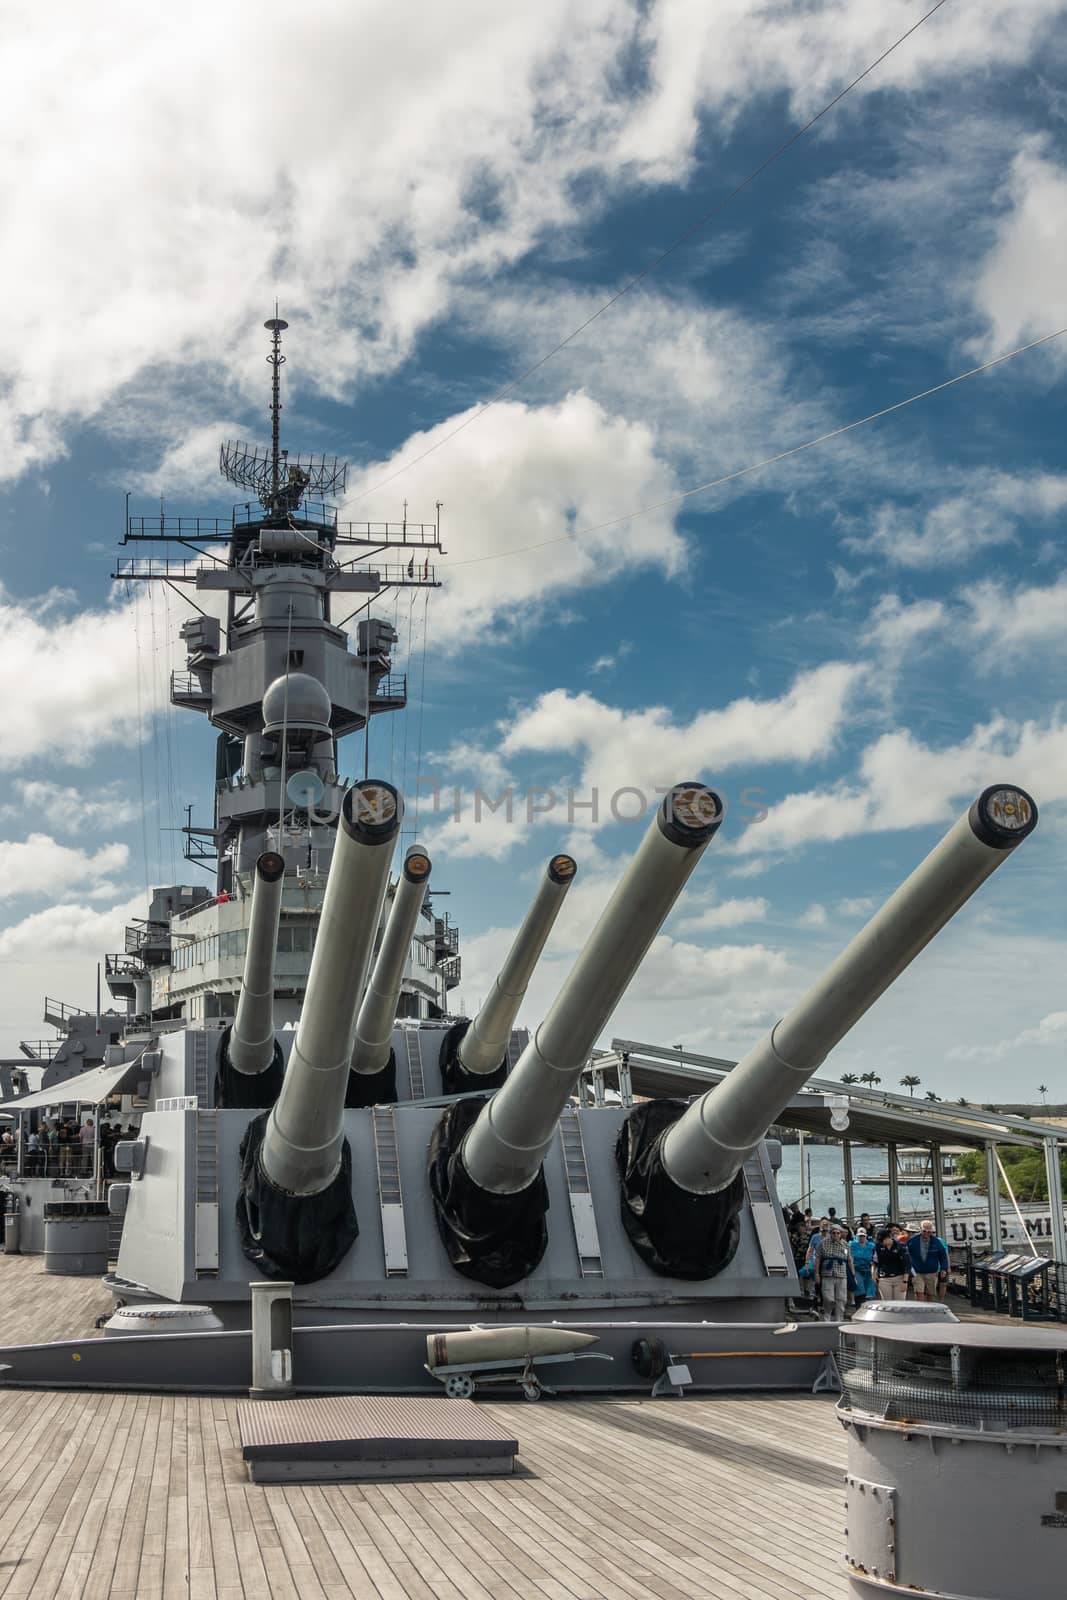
(730, 914)
(648, 747)
(814, 917)
(524, 475)
(986, 512)
(39, 866)
(1019, 287)
(895, 627)
(97, 678)
(904, 783)
(55, 951)
(67, 809)
(1050, 1031)
(396, 163)
(1013, 620)
(857, 906)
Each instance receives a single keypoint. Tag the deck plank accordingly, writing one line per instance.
(145, 1497)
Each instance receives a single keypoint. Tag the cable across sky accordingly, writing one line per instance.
(639, 277)
(767, 461)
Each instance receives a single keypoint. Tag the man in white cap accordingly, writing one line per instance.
(831, 1273)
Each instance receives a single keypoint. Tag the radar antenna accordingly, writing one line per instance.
(280, 482)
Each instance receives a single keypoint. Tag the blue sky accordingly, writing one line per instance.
(868, 633)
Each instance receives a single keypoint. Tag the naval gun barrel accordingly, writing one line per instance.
(504, 1149)
(251, 1045)
(486, 1174)
(302, 1143)
(377, 1013)
(482, 1048)
(705, 1149)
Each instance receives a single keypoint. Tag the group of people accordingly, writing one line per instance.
(64, 1146)
(839, 1266)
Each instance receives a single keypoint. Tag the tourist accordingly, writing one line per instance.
(929, 1262)
(832, 1272)
(34, 1156)
(892, 1266)
(861, 1251)
(87, 1143)
(835, 1222)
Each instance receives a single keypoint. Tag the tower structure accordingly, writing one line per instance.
(270, 663)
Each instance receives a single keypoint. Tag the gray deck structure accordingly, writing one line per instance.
(146, 1497)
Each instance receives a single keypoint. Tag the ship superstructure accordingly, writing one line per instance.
(272, 667)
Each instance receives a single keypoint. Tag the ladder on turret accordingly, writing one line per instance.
(765, 1217)
(586, 1236)
(390, 1198)
(412, 1040)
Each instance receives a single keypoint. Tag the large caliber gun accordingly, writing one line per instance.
(250, 1058)
(680, 1169)
(474, 1054)
(485, 1158)
(373, 1077)
(295, 1208)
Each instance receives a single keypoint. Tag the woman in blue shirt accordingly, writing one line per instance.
(861, 1250)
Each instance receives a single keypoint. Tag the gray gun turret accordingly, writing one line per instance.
(295, 1209)
(474, 1054)
(373, 1077)
(485, 1164)
(680, 1169)
(250, 1058)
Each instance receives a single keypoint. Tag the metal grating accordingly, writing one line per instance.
(382, 1419)
(953, 1385)
(586, 1236)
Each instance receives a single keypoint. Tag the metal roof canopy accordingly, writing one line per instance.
(875, 1116)
(90, 1088)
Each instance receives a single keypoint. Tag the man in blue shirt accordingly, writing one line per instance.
(929, 1262)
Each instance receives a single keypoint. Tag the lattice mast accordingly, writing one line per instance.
(280, 483)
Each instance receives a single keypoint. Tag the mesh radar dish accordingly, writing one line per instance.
(280, 481)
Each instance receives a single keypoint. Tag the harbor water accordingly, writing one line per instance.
(824, 1164)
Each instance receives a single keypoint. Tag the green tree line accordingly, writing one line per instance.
(1024, 1166)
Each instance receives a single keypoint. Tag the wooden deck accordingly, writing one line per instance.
(136, 1496)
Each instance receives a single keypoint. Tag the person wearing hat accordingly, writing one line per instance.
(892, 1265)
(861, 1251)
(929, 1261)
(832, 1273)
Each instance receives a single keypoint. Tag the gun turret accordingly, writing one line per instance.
(295, 1208)
(485, 1164)
(250, 1058)
(373, 1076)
(681, 1169)
(474, 1054)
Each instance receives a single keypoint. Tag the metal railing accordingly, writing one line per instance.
(123, 966)
(190, 686)
(40, 1049)
(57, 1011)
(392, 688)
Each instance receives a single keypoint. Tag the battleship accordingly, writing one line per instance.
(316, 1134)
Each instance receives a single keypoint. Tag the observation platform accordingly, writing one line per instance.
(144, 1497)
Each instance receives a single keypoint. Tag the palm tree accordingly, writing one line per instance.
(962, 1101)
(849, 1077)
(1042, 1090)
(870, 1077)
(930, 1095)
(910, 1082)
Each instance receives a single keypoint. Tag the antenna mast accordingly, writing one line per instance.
(281, 481)
(277, 326)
